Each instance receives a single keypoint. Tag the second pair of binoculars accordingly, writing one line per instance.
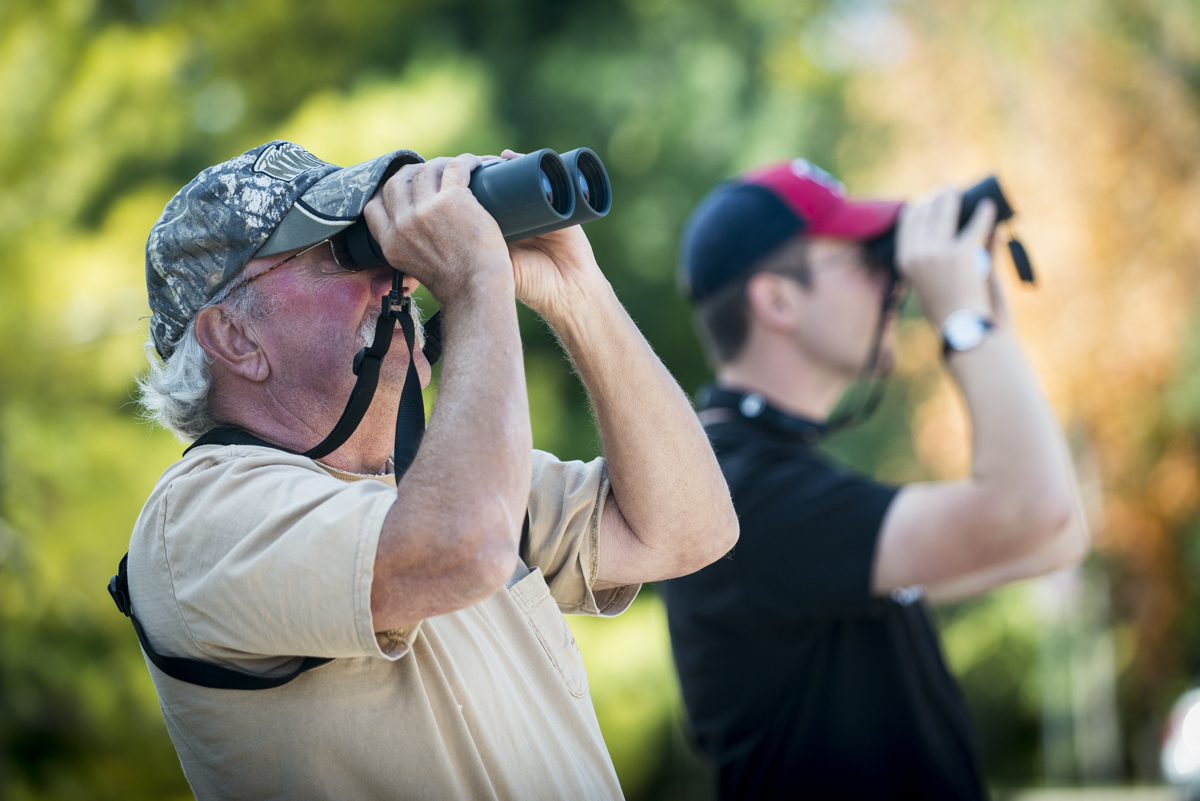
(528, 195)
(883, 247)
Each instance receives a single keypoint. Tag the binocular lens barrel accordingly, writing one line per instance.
(529, 195)
(570, 190)
(592, 189)
(527, 192)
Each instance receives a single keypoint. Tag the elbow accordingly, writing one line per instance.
(1049, 516)
(1037, 522)
(725, 527)
(1073, 552)
(715, 542)
(485, 557)
(727, 536)
(493, 565)
(698, 547)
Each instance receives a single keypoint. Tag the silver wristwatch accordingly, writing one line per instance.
(964, 330)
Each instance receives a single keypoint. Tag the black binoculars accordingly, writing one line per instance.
(882, 249)
(529, 195)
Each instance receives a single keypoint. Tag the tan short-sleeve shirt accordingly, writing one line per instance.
(250, 557)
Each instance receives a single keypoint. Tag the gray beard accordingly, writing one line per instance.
(366, 333)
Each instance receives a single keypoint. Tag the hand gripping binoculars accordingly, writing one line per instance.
(883, 248)
(530, 195)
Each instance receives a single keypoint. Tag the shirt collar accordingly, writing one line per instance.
(725, 404)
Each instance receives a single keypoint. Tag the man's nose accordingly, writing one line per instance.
(381, 282)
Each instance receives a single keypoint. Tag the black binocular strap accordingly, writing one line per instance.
(862, 411)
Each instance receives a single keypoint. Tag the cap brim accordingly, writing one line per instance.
(332, 203)
(858, 219)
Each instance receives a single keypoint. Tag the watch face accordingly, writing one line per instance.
(964, 329)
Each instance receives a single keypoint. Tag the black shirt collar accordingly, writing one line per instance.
(721, 404)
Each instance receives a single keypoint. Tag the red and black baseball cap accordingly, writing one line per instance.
(748, 216)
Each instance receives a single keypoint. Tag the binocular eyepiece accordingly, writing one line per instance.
(530, 195)
(882, 249)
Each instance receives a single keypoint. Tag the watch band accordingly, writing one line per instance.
(964, 330)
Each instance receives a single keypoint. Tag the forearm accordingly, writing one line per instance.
(1020, 462)
(451, 538)
(476, 450)
(1017, 515)
(665, 478)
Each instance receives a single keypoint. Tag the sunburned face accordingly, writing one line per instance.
(840, 306)
(321, 317)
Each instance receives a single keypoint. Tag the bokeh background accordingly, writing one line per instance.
(1089, 110)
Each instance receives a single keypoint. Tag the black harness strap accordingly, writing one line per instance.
(410, 416)
(194, 671)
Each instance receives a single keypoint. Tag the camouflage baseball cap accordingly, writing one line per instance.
(268, 200)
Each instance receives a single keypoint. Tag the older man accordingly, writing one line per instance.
(418, 634)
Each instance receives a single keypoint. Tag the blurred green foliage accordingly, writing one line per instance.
(109, 106)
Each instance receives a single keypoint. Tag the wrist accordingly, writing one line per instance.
(964, 330)
(572, 310)
(937, 312)
(940, 299)
(480, 282)
(585, 317)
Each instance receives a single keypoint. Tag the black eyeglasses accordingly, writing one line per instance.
(337, 249)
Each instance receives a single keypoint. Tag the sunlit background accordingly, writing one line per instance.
(1088, 110)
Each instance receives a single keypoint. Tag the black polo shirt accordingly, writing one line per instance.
(797, 681)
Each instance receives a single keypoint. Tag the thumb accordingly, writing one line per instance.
(980, 225)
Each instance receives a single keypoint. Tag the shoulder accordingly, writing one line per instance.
(242, 484)
(211, 461)
(801, 484)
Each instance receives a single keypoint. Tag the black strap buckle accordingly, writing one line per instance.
(118, 588)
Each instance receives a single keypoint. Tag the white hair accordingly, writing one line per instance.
(175, 393)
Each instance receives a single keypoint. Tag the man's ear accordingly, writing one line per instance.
(772, 302)
(230, 344)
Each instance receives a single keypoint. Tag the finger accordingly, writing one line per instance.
(905, 231)
(458, 170)
(427, 179)
(914, 228)
(999, 302)
(983, 261)
(924, 226)
(510, 154)
(979, 227)
(377, 217)
(944, 214)
(397, 191)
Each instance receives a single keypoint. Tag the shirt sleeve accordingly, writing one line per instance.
(566, 500)
(269, 556)
(808, 540)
